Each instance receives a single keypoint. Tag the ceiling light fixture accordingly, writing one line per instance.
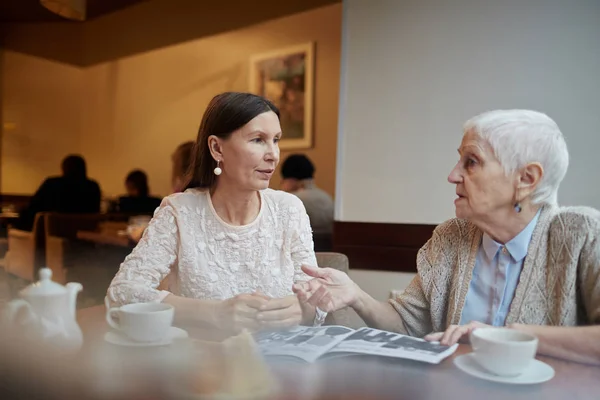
(70, 9)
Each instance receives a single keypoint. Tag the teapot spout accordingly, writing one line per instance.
(73, 289)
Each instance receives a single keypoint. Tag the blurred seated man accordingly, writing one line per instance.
(138, 199)
(72, 193)
(297, 172)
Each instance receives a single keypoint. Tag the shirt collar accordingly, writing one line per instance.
(517, 246)
(308, 183)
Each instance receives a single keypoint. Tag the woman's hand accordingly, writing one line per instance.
(329, 290)
(240, 312)
(280, 313)
(455, 333)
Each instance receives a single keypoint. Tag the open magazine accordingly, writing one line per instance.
(312, 343)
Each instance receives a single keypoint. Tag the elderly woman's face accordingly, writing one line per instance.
(482, 186)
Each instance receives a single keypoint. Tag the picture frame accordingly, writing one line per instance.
(286, 77)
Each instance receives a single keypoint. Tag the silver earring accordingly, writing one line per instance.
(518, 207)
(218, 169)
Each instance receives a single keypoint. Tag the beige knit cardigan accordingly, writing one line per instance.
(559, 283)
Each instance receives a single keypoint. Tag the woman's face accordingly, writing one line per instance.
(250, 155)
(482, 186)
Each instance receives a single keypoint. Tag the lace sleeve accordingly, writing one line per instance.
(303, 249)
(149, 263)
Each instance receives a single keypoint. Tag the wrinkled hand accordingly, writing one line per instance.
(454, 333)
(239, 312)
(330, 289)
(280, 313)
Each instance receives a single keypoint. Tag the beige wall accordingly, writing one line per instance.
(138, 109)
(41, 110)
(132, 112)
(439, 63)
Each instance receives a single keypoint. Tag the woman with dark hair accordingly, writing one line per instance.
(138, 199)
(230, 248)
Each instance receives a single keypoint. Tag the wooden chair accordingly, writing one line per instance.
(346, 316)
(26, 255)
(62, 249)
(73, 260)
(26, 250)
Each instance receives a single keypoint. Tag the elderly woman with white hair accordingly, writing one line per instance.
(512, 257)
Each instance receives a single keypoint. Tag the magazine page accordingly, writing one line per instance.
(387, 344)
(306, 343)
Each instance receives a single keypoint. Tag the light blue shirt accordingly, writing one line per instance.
(495, 277)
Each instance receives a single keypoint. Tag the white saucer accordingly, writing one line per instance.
(120, 339)
(537, 372)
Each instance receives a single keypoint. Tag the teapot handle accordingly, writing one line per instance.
(14, 307)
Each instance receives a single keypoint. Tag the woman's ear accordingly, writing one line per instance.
(529, 178)
(215, 148)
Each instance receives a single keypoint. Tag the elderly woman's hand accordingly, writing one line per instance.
(454, 333)
(329, 290)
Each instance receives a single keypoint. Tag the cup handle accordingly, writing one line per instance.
(109, 318)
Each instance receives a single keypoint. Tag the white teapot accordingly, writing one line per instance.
(50, 309)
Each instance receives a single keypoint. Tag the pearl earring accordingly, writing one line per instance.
(518, 207)
(218, 169)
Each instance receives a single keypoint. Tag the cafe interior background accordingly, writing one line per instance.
(393, 81)
(391, 91)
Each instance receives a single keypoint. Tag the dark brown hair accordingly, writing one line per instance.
(73, 167)
(139, 180)
(226, 113)
(182, 160)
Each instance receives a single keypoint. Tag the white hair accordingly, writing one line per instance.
(520, 137)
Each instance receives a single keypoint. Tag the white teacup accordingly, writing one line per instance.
(503, 351)
(142, 322)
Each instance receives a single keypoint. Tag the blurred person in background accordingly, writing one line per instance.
(181, 160)
(71, 193)
(298, 178)
(138, 199)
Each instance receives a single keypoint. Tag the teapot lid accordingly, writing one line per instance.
(45, 286)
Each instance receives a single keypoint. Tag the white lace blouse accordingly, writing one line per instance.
(203, 257)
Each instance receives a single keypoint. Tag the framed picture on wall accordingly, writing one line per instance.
(286, 77)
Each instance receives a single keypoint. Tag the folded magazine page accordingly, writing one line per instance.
(305, 343)
(388, 344)
(312, 343)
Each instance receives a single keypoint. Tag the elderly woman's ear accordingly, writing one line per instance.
(528, 179)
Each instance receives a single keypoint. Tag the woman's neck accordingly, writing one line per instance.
(235, 206)
(507, 224)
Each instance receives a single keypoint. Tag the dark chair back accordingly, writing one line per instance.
(66, 225)
(323, 242)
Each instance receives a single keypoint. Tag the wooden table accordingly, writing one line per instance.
(365, 377)
(8, 216)
(104, 238)
(111, 235)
